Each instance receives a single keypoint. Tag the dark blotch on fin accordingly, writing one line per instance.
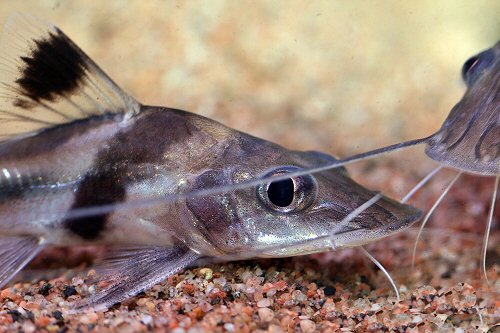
(54, 68)
(99, 189)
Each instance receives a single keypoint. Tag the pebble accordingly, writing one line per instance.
(142, 301)
(69, 291)
(146, 319)
(178, 330)
(257, 295)
(77, 281)
(271, 292)
(32, 306)
(298, 296)
(5, 293)
(307, 326)
(207, 272)
(89, 318)
(151, 306)
(43, 321)
(329, 290)
(220, 281)
(229, 327)
(275, 329)
(246, 275)
(53, 328)
(417, 319)
(264, 303)
(265, 314)
(29, 327)
(280, 285)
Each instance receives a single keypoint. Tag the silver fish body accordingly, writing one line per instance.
(160, 152)
(82, 143)
(469, 138)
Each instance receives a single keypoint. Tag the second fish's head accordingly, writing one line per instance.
(295, 215)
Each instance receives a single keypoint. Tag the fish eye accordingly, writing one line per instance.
(475, 66)
(288, 195)
(281, 192)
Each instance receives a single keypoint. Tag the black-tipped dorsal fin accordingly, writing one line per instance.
(46, 80)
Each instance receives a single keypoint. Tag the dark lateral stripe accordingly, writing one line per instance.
(471, 122)
(477, 149)
(55, 67)
(19, 188)
(53, 137)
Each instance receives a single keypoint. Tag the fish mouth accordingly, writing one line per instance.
(351, 235)
(362, 236)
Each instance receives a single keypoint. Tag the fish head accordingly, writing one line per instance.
(295, 215)
(469, 139)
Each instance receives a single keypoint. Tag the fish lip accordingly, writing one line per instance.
(352, 238)
(365, 236)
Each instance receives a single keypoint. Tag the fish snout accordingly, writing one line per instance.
(378, 219)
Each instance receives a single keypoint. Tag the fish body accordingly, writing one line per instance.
(76, 142)
(105, 161)
(469, 139)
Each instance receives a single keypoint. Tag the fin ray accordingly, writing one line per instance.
(44, 75)
(130, 270)
(15, 253)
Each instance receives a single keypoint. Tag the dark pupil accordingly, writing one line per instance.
(467, 66)
(477, 65)
(281, 192)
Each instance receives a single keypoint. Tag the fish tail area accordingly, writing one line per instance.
(15, 253)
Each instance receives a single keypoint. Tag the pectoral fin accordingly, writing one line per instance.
(130, 270)
(15, 253)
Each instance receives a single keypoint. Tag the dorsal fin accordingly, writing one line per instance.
(46, 80)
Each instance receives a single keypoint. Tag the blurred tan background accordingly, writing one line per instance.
(337, 76)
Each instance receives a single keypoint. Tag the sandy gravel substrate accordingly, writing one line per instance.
(334, 76)
(339, 291)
